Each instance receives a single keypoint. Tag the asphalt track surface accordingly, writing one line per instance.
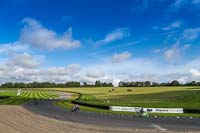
(49, 109)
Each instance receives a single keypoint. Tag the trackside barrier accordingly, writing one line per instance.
(192, 111)
(150, 110)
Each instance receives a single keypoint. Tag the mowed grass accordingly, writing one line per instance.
(8, 93)
(25, 96)
(183, 97)
(38, 95)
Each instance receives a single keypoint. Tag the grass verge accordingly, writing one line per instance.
(68, 104)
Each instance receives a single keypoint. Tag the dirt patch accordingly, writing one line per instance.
(16, 119)
(63, 95)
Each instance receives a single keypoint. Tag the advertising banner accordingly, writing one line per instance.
(150, 110)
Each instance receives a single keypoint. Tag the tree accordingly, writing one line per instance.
(84, 84)
(154, 84)
(73, 84)
(98, 83)
(7, 85)
(174, 83)
(147, 83)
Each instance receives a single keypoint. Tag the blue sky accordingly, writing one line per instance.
(107, 40)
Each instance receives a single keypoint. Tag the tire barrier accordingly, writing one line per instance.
(88, 104)
(91, 105)
(192, 111)
(4, 97)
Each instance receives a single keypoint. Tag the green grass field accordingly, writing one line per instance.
(183, 97)
(89, 97)
(13, 99)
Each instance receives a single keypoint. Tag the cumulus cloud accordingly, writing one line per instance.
(38, 36)
(95, 73)
(21, 66)
(18, 73)
(24, 60)
(132, 70)
(116, 58)
(195, 72)
(147, 69)
(10, 48)
(70, 69)
(115, 35)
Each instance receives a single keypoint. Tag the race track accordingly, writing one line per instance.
(48, 109)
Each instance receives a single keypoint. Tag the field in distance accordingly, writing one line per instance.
(183, 97)
(10, 97)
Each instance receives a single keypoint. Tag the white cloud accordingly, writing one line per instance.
(24, 60)
(172, 53)
(183, 41)
(143, 69)
(178, 4)
(142, 5)
(186, 46)
(21, 66)
(70, 69)
(95, 73)
(156, 50)
(175, 52)
(172, 26)
(131, 70)
(190, 34)
(116, 58)
(18, 73)
(195, 72)
(10, 48)
(115, 35)
(36, 35)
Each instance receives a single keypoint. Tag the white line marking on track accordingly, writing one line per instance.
(157, 127)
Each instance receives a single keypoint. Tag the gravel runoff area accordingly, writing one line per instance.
(16, 119)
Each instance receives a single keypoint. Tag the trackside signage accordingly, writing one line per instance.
(150, 110)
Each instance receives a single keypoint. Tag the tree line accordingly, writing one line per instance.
(97, 84)
(54, 85)
(155, 84)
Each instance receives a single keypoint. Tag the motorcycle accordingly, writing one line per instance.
(142, 114)
(75, 108)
